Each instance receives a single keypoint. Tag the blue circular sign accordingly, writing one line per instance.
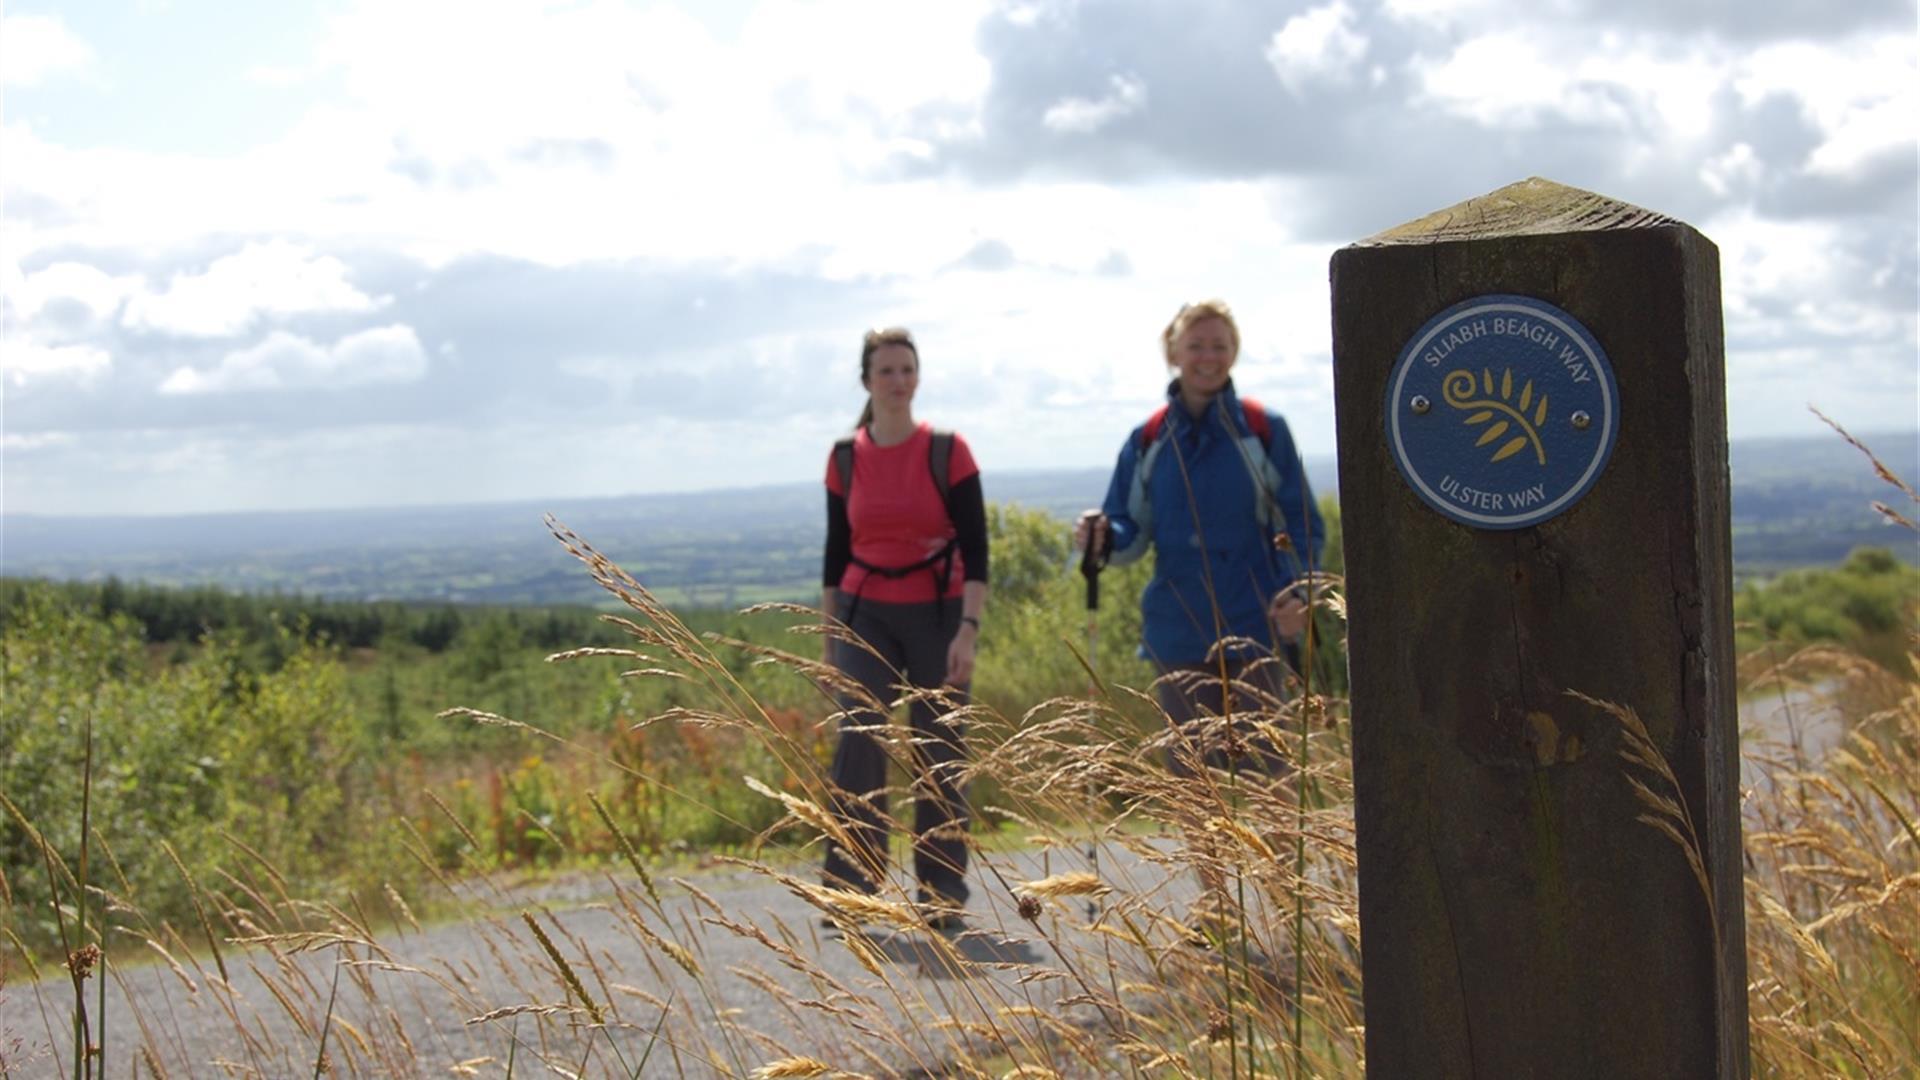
(1502, 411)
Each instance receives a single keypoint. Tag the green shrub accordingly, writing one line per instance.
(212, 757)
(1868, 604)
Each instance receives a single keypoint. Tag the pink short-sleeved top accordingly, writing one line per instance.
(896, 515)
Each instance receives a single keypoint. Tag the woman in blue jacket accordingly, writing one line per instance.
(1213, 484)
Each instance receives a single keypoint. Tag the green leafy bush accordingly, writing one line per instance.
(226, 764)
(1868, 604)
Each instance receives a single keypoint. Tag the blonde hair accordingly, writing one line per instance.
(872, 343)
(1193, 313)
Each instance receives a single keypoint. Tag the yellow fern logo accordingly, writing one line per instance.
(1460, 388)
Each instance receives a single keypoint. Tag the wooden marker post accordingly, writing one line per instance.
(1533, 488)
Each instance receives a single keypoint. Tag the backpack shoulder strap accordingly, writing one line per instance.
(940, 463)
(843, 464)
(1150, 430)
(1256, 414)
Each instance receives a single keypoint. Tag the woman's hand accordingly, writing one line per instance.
(1090, 528)
(960, 655)
(1288, 613)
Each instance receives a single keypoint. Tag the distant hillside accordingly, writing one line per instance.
(1796, 502)
(1807, 502)
(735, 546)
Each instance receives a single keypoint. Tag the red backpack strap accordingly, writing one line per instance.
(1257, 420)
(1150, 430)
(1255, 412)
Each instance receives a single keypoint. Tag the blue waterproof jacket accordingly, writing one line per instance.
(1216, 566)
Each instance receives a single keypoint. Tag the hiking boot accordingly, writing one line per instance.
(945, 920)
(828, 922)
(944, 915)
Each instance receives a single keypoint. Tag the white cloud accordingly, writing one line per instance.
(388, 354)
(1736, 170)
(874, 54)
(23, 361)
(1529, 80)
(822, 149)
(33, 48)
(1320, 44)
(1862, 94)
(274, 278)
(1799, 267)
(1501, 79)
(1438, 11)
(37, 440)
(747, 148)
(1083, 116)
(90, 287)
(743, 148)
(37, 352)
(278, 77)
(1883, 128)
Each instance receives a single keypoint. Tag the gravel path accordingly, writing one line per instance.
(1798, 727)
(773, 983)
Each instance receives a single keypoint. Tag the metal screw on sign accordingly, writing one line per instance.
(1420, 404)
(1582, 421)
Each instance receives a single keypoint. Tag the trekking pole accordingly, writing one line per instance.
(1090, 567)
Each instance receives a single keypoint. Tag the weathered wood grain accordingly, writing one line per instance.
(1517, 919)
(1531, 207)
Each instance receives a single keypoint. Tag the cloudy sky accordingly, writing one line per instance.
(352, 253)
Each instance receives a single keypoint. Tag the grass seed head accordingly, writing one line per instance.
(791, 1066)
(82, 960)
(1074, 883)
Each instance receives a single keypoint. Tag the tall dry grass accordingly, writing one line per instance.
(1832, 837)
(1091, 949)
(1833, 887)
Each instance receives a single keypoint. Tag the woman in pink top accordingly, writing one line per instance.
(906, 570)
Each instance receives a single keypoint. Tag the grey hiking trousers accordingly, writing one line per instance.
(911, 640)
(1191, 694)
